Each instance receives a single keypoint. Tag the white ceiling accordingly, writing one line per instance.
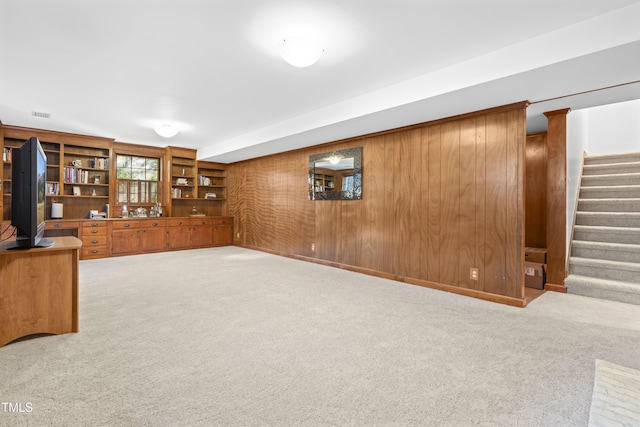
(211, 67)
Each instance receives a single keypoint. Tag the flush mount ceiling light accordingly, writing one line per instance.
(334, 160)
(166, 130)
(300, 51)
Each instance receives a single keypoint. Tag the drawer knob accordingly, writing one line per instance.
(94, 251)
(126, 225)
(94, 241)
(155, 224)
(58, 225)
(179, 222)
(94, 231)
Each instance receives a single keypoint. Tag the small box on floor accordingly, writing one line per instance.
(534, 275)
(538, 255)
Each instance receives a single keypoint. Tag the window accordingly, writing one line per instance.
(138, 179)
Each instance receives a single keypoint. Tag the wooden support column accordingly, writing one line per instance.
(556, 199)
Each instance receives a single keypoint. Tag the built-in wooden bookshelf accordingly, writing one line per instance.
(81, 174)
(85, 172)
(212, 188)
(78, 170)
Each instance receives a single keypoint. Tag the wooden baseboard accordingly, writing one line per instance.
(515, 302)
(555, 288)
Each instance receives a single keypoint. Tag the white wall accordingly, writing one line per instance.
(613, 128)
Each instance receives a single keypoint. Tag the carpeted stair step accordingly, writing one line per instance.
(609, 205)
(606, 234)
(612, 179)
(612, 290)
(609, 219)
(606, 251)
(611, 168)
(611, 192)
(605, 269)
(612, 158)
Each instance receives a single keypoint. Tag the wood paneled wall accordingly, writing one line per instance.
(438, 199)
(536, 191)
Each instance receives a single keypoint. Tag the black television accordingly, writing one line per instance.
(28, 194)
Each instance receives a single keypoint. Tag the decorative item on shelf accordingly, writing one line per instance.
(210, 196)
(96, 179)
(76, 163)
(93, 192)
(125, 212)
(56, 210)
(141, 212)
(182, 181)
(194, 212)
(76, 191)
(97, 215)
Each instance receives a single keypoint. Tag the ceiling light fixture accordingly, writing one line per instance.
(334, 160)
(300, 51)
(166, 130)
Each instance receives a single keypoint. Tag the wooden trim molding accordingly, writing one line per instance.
(515, 302)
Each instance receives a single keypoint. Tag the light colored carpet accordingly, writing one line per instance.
(233, 337)
(616, 396)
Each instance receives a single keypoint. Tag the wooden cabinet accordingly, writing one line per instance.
(39, 291)
(179, 233)
(222, 231)
(153, 235)
(159, 234)
(94, 239)
(190, 233)
(201, 232)
(125, 237)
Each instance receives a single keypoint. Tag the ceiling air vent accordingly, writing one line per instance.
(41, 114)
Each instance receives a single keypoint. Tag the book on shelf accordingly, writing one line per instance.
(74, 175)
(204, 180)
(53, 188)
(99, 163)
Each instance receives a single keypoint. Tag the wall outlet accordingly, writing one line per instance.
(473, 274)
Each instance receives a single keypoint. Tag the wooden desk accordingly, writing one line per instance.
(39, 289)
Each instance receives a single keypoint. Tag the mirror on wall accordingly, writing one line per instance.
(336, 175)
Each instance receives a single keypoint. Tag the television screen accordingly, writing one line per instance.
(28, 194)
(42, 185)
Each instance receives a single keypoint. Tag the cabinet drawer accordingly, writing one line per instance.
(202, 221)
(178, 222)
(222, 220)
(123, 225)
(94, 252)
(57, 225)
(94, 224)
(94, 231)
(153, 223)
(96, 240)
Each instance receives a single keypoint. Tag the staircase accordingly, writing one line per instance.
(605, 251)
